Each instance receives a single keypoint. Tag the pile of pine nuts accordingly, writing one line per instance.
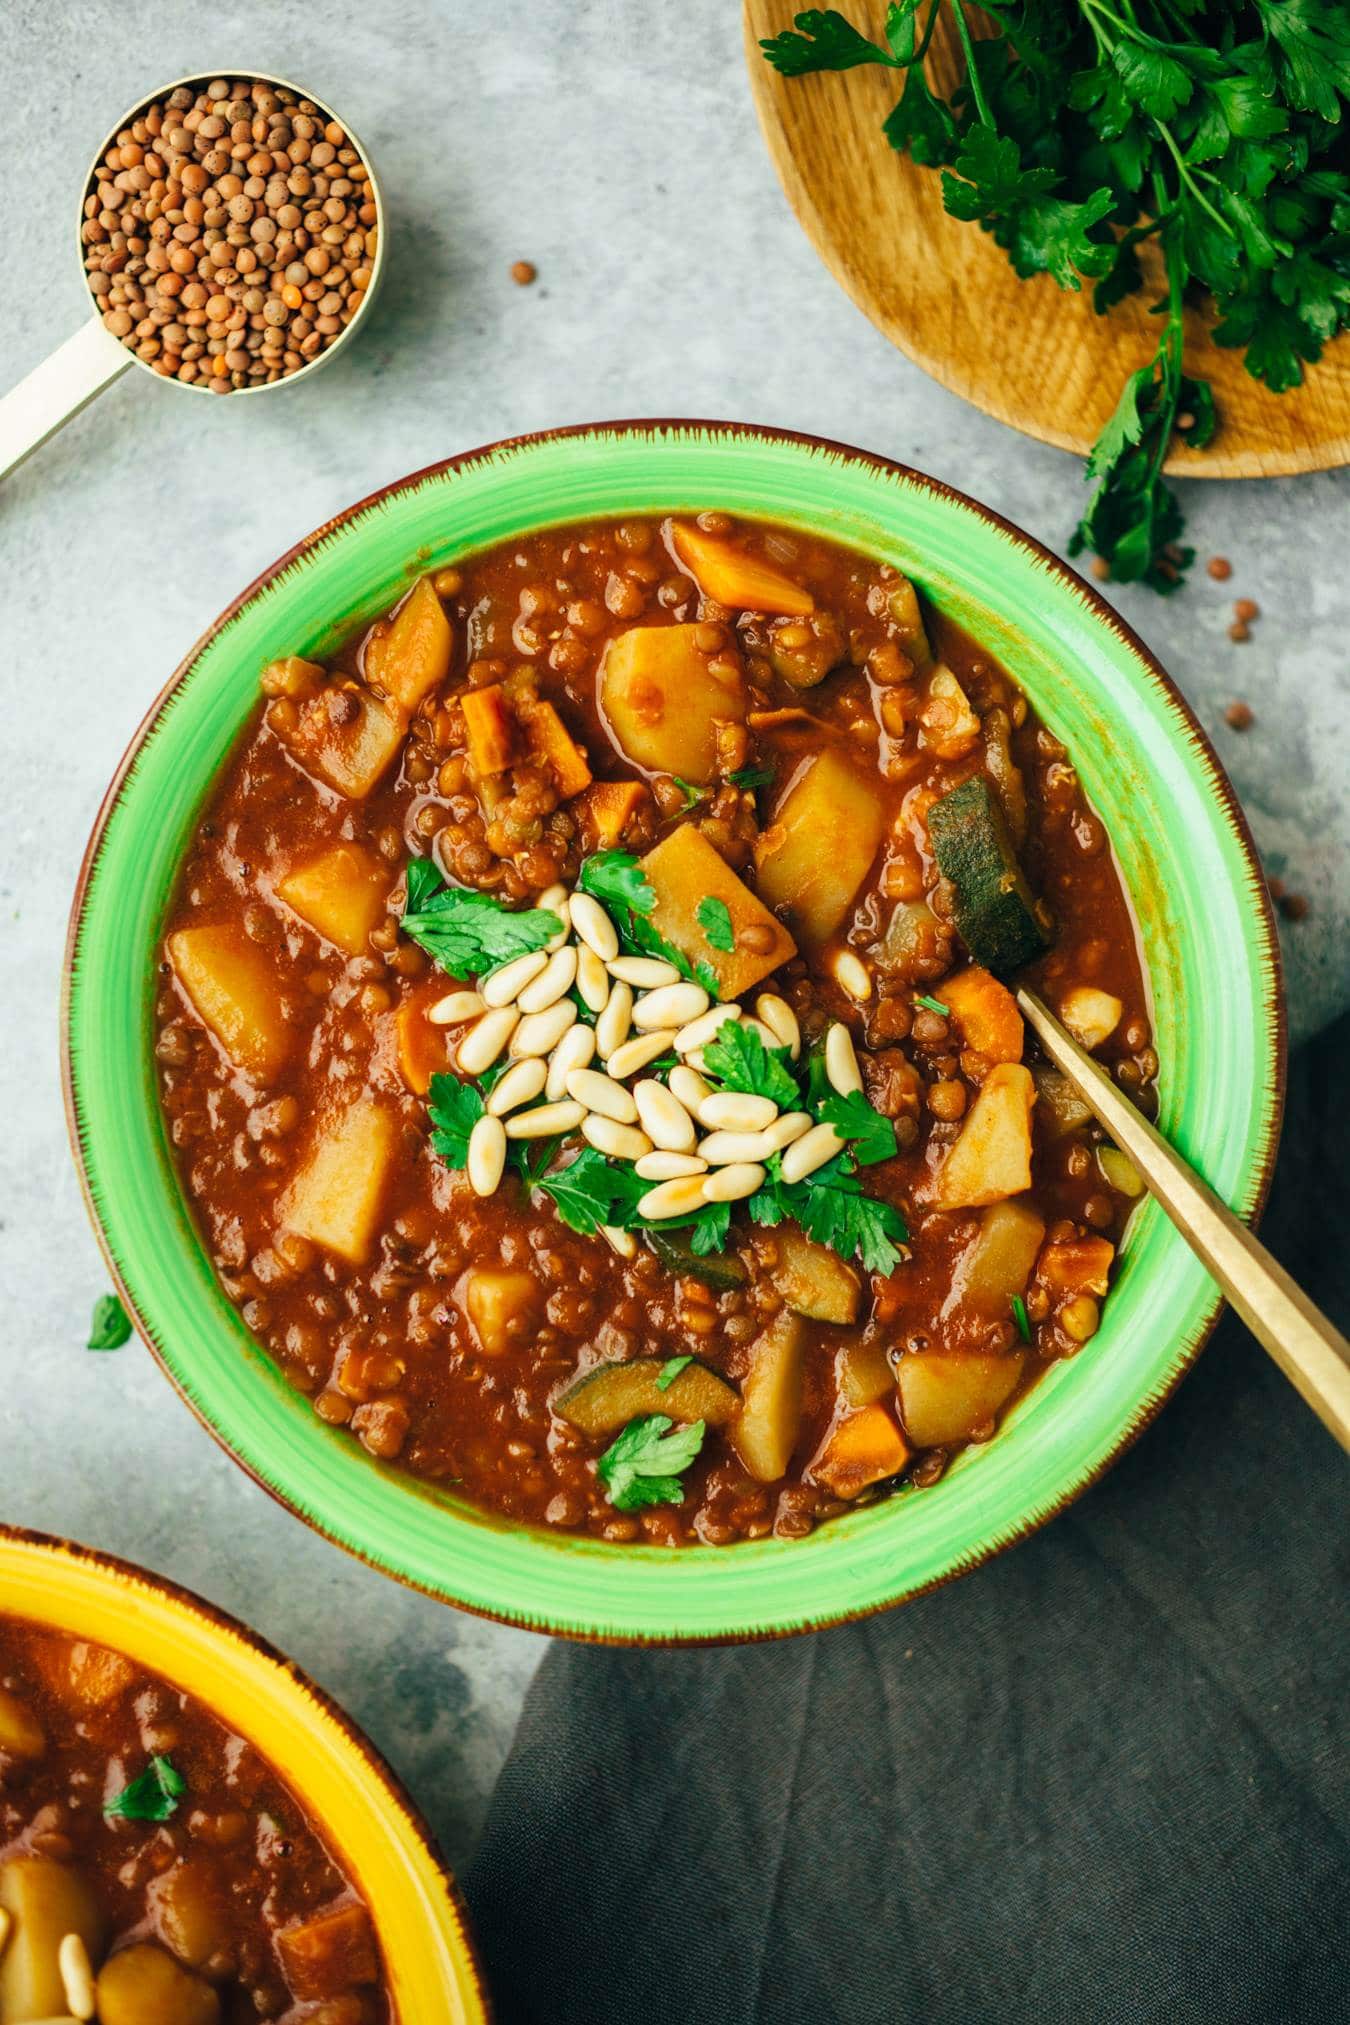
(643, 1009)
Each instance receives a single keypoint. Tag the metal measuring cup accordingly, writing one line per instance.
(93, 358)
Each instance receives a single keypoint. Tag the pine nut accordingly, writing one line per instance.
(703, 1028)
(841, 1061)
(486, 1159)
(673, 1198)
(737, 1111)
(504, 986)
(671, 1005)
(594, 927)
(620, 1142)
(852, 975)
(781, 1021)
(724, 1149)
(575, 1050)
(637, 1053)
(556, 900)
(480, 1047)
(621, 1241)
(456, 1007)
(792, 1125)
(544, 1121)
(664, 1118)
(553, 980)
(77, 1976)
(809, 1152)
(612, 1026)
(603, 1096)
(539, 1033)
(688, 1086)
(733, 1184)
(644, 973)
(664, 1166)
(520, 1085)
(592, 979)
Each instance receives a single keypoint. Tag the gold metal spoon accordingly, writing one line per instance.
(1313, 1355)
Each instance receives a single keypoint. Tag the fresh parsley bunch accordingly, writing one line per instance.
(1081, 130)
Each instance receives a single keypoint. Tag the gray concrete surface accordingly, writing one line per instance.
(615, 146)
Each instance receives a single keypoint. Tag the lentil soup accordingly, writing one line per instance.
(154, 1868)
(585, 1034)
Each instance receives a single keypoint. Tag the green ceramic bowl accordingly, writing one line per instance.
(1182, 846)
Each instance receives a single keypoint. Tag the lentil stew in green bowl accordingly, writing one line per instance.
(540, 1042)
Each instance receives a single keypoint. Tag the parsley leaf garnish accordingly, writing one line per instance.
(152, 1796)
(466, 932)
(1074, 135)
(871, 1137)
(831, 1208)
(618, 882)
(592, 1189)
(714, 918)
(737, 1058)
(111, 1325)
(692, 792)
(455, 1108)
(751, 777)
(671, 1370)
(642, 1467)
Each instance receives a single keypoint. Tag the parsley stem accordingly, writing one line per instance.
(972, 70)
(1190, 183)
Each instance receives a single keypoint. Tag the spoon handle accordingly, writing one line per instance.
(1313, 1355)
(57, 389)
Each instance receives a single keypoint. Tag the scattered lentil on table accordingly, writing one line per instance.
(523, 272)
(230, 234)
(1239, 716)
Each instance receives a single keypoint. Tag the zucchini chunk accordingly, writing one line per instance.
(607, 1398)
(995, 909)
(721, 1270)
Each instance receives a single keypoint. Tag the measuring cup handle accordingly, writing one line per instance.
(57, 389)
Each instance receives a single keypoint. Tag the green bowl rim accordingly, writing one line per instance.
(1100, 610)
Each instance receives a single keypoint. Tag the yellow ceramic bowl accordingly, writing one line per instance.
(367, 1818)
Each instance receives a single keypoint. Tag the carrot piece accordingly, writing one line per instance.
(491, 729)
(553, 743)
(986, 1013)
(421, 1048)
(733, 577)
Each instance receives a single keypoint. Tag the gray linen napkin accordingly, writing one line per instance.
(1103, 1778)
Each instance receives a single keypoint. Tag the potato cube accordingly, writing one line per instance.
(413, 657)
(346, 738)
(141, 1985)
(998, 1262)
(190, 1908)
(553, 743)
(232, 988)
(340, 894)
(609, 804)
(663, 698)
(491, 728)
(820, 844)
(1091, 1016)
(743, 582)
(46, 1900)
(986, 1014)
(502, 1306)
(769, 1425)
(862, 1371)
(992, 1157)
(335, 1197)
(813, 1280)
(1076, 1266)
(21, 1734)
(861, 1449)
(947, 1397)
(330, 1952)
(685, 871)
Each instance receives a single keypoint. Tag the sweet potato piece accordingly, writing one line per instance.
(820, 844)
(142, 1983)
(945, 1398)
(609, 804)
(684, 871)
(421, 1049)
(413, 657)
(501, 1305)
(813, 1280)
(340, 895)
(607, 1397)
(986, 1014)
(330, 1952)
(992, 1157)
(1091, 1016)
(771, 1399)
(744, 583)
(335, 1197)
(84, 1676)
(21, 1734)
(232, 988)
(347, 738)
(491, 729)
(553, 743)
(46, 1901)
(662, 701)
(862, 1449)
(1075, 1266)
(862, 1372)
(999, 1261)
